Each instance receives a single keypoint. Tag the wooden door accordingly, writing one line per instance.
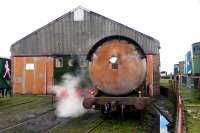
(32, 75)
(29, 75)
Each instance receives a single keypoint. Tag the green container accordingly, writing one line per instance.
(196, 65)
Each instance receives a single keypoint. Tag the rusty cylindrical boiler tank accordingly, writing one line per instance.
(117, 67)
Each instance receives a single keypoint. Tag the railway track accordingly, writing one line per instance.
(45, 121)
(25, 121)
(18, 104)
(55, 126)
(95, 126)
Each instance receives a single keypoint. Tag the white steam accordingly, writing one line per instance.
(69, 103)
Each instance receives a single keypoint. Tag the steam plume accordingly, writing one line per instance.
(69, 102)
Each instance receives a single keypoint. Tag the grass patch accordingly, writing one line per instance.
(164, 83)
(191, 99)
(115, 124)
(120, 126)
(190, 96)
(192, 119)
(79, 125)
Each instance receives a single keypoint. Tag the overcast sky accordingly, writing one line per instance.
(175, 23)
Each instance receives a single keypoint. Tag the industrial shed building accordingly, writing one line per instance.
(36, 57)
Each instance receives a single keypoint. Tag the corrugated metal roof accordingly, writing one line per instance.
(66, 36)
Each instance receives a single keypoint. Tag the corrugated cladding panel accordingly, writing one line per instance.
(53, 46)
(66, 36)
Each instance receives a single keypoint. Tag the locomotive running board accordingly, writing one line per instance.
(138, 102)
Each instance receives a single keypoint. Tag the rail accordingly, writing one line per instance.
(96, 126)
(6, 129)
(180, 117)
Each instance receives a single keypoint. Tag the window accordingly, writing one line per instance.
(71, 62)
(30, 66)
(83, 62)
(59, 62)
(79, 15)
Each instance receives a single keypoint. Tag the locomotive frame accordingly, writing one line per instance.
(135, 100)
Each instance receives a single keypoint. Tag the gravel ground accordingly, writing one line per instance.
(22, 114)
